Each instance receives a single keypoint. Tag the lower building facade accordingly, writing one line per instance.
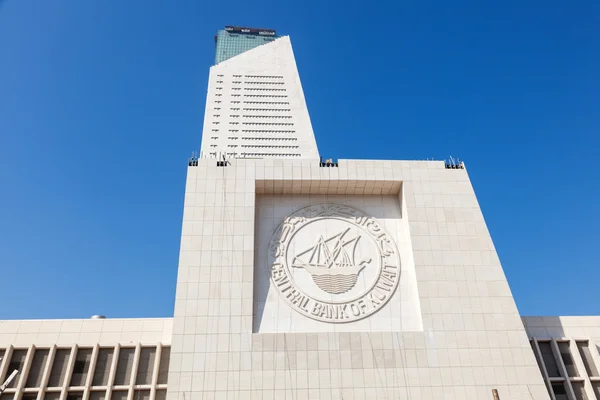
(129, 358)
(360, 279)
(85, 359)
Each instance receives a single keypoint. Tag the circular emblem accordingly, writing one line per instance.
(333, 263)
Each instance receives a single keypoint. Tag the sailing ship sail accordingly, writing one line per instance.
(331, 264)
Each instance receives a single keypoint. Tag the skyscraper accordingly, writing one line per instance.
(255, 105)
(305, 280)
(297, 279)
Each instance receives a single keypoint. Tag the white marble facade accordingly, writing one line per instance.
(451, 329)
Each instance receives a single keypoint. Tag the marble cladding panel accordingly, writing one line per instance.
(471, 338)
(85, 332)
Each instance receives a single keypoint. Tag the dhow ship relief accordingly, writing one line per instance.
(331, 263)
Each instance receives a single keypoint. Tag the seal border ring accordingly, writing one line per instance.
(335, 211)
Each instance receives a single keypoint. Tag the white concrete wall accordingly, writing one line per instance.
(85, 332)
(563, 327)
(472, 338)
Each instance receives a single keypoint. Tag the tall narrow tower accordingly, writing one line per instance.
(361, 279)
(255, 105)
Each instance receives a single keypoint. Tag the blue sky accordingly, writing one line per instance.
(101, 103)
